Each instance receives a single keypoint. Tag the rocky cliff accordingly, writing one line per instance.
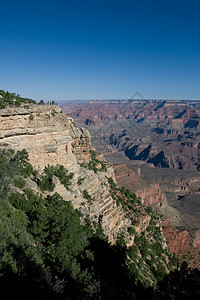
(46, 133)
(52, 138)
(181, 238)
(160, 139)
(150, 193)
(180, 242)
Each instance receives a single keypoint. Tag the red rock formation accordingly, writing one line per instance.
(196, 241)
(150, 194)
(163, 133)
(170, 127)
(179, 242)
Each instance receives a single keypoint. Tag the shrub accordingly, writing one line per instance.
(113, 185)
(120, 241)
(86, 195)
(41, 102)
(24, 168)
(62, 173)
(46, 182)
(7, 99)
(31, 117)
(131, 230)
(94, 163)
(132, 252)
(19, 182)
(157, 248)
(13, 165)
(149, 209)
(80, 180)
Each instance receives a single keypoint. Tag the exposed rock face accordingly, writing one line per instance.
(182, 242)
(151, 194)
(163, 134)
(47, 134)
(196, 241)
(179, 242)
(52, 138)
(102, 207)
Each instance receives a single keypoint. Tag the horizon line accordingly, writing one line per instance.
(129, 99)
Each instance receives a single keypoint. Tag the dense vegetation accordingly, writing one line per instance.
(49, 251)
(6, 99)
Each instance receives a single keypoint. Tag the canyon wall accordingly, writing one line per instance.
(50, 137)
(151, 194)
(163, 133)
(184, 242)
(46, 133)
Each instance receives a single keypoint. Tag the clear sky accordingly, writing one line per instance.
(97, 49)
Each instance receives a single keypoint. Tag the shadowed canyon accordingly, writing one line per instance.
(155, 148)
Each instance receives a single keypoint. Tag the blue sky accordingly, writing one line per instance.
(98, 49)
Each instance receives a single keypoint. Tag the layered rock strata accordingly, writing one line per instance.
(151, 194)
(180, 241)
(50, 137)
(46, 133)
(163, 133)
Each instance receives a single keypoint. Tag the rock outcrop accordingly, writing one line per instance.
(185, 243)
(161, 134)
(180, 242)
(50, 137)
(151, 194)
(46, 133)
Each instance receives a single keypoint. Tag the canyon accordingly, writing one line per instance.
(163, 133)
(155, 149)
(51, 138)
